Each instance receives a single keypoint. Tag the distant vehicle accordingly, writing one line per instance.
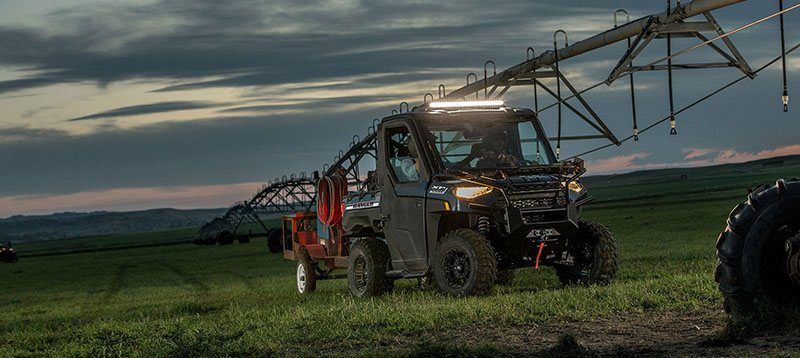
(462, 197)
(7, 253)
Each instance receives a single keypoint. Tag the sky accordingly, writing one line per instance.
(128, 105)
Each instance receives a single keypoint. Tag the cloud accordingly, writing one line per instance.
(616, 164)
(181, 197)
(695, 153)
(199, 152)
(734, 156)
(152, 108)
(256, 43)
(693, 157)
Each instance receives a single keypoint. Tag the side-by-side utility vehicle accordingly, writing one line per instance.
(7, 253)
(462, 195)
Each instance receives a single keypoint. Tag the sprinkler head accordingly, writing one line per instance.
(635, 134)
(785, 101)
(673, 130)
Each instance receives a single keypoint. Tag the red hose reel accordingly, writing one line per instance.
(331, 190)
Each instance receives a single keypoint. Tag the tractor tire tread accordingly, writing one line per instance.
(731, 243)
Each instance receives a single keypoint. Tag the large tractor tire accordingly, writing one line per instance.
(465, 264)
(596, 257)
(367, 267)
(759, 252)
(306, 273)
(274, 241)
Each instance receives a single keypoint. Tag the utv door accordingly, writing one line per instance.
(404, 182)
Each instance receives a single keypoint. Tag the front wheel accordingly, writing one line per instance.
(306, 273)
(465, 264)
(596, 257)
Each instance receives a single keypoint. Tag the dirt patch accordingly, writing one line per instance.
(698, 333)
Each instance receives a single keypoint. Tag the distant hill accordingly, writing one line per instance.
(67, 225)
(604, 187)
(652, 183)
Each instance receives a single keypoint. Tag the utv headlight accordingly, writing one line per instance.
(575, 186)
(472, 192)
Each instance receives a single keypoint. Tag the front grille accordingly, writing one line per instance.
(542, 200)
(534, 187)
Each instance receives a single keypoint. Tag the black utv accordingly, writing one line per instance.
(7, 253)
(463, 195)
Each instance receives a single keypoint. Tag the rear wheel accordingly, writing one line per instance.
(465, 264)
(596, 257)
(306, 273)
(367, 266)
(759, 251)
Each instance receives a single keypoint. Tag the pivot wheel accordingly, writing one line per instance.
(465, 264)
(306, 273)
(367, 266)
(596, 257)
(759, 256)
(274, 241)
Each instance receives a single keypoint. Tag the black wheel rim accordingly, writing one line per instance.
(360, 273)
(457, 268)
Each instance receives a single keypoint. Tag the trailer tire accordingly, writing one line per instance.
(505, 277)
(274, 241)
(465, 264)
(306, 273)
(367, 266)
(596, 255)
(753, 267)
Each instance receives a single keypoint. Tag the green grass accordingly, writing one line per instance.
(185, 300)
(104, 242)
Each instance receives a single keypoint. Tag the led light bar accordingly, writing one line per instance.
(467, 104)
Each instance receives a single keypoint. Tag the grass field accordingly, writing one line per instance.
(185, 300)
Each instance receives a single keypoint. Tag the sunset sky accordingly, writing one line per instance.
(121, 105)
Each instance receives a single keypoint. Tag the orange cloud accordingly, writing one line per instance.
(733, 156)
(616, 164)
(693, 153)
(692, 158)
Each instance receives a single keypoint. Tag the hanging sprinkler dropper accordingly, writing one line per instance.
(672, 124)
(630, 76)
(785, 95)
(558, 85)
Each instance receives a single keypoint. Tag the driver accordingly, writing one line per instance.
(493, 152)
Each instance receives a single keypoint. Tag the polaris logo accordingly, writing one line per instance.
(539, 233)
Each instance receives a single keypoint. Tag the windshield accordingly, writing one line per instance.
(465, 144)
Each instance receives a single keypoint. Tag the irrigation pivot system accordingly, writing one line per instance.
(744, 273)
